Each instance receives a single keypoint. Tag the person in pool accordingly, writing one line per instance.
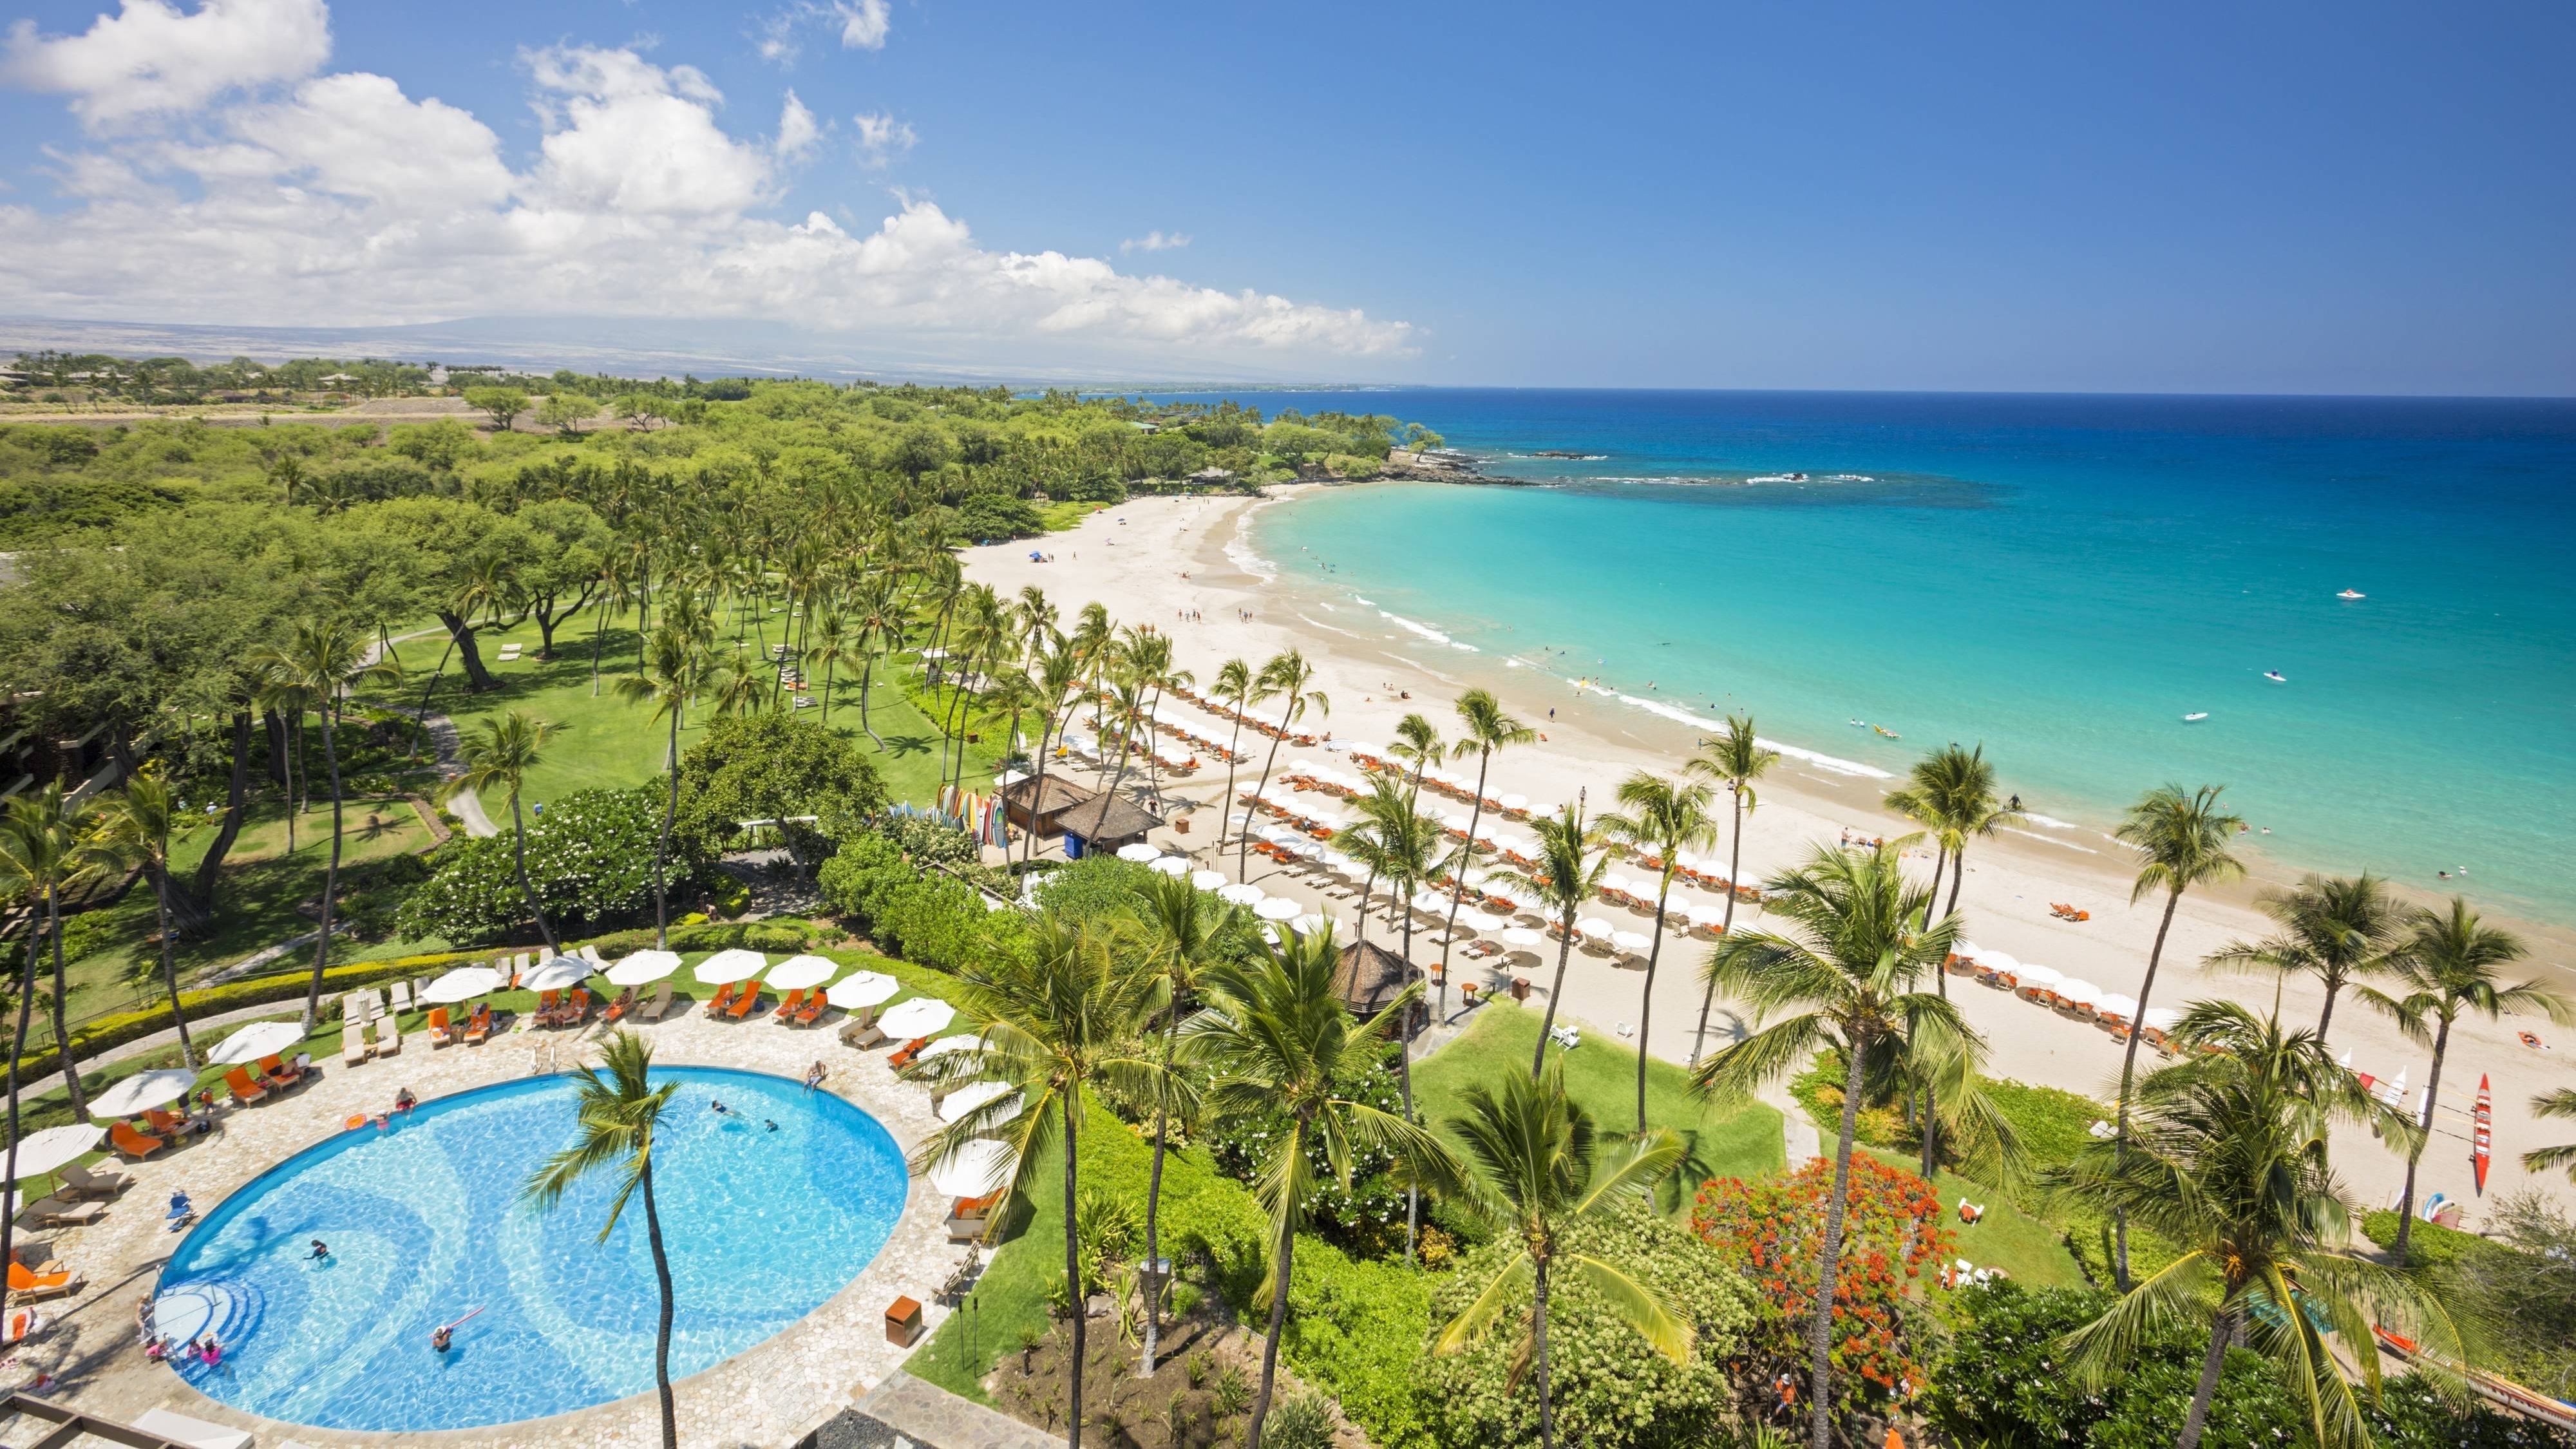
(404, 1101)
(719, 1108)
(321, 1251)
(442, 1338)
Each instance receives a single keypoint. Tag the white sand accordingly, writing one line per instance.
(1133, 560)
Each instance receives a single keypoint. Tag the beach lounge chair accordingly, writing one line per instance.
(814, 1008)
(38, 1257)
(180, 1429)
(902, 1056)
(137, 1145)
(401, 998)
(61, 1212)
(79, 1181)
(478, 1026)
(723, 1001)
(244, 1090)
(388, 1037)
(861, 1031)
(353, 1045)
(618, 1009)
(549, 1007)
(743, 1004)
(791, 1004)
(577, 1007)
(25, 1282)
(967, 1216)
(440, 1033)
(661, 1002)
(275, 1075)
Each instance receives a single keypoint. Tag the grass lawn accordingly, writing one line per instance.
(1061, 517)
(1602, 1075)
(605, 741)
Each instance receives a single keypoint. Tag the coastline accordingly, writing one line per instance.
(1149, 560)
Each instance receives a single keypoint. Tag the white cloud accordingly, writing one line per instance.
(340, 199)
(882, 138)
(1155, 241)
(797, 130)
(152, 57)
(863, 24)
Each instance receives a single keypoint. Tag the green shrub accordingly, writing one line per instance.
(930, 918)
(2431, 1244)
(773, 766)
(1355, 1327)
(1300, 1421)
(993, 517)
(1609, 1388)
(590, 861)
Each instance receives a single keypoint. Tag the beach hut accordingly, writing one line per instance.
(1369, 977)
(1038, 806)
(1103, 822)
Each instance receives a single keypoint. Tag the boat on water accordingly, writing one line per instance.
(2352, 594)
(2483, 1146)
(1889, 733)
(2196, 716)
(2274, 675)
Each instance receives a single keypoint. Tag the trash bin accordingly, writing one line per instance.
(1520, 988)
(903, 1321)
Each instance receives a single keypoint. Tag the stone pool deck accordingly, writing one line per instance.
(773, 1395)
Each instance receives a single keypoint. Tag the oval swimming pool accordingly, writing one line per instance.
(763, 1223)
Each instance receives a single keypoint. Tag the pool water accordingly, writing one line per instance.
(425, 1222)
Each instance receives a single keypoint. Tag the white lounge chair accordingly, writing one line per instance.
(196, 1433)
(652, 1009)
(401, 997)
(353, 1045)
(388, 1037)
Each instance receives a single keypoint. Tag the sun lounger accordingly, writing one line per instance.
(61, 1212)
(723, 1001)
(273, 1074)
(353, 1045)
(388, 1037)
(24, 1282)
(137, 1145)
(814, 1007)
(81, 1182)
(38, 1257)
(402, 998)
(619, 1008)
(577, 1007)
(478, 1026)
(791, 1004)
(661, 1002)
(743, 1004)
(244, 1090)
(440, 1033)
(549, 1007)
(968, 1216)
(166, 1124)
(903, 1055)
(591, 955)
(861, 1031)
(180, 1429)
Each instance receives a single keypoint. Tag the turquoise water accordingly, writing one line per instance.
(424, 1223)
(2061, 578)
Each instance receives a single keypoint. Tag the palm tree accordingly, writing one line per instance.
(676, 672)
(1663, 818)
(1062, 1020)
(2446, 968)
(44, 853)
(1735, 758)
(1059, 671)
(2185, 839)
(1534, 1164)
(1286, 676)
(2560, 1103)
(2334, 930)
(321, 662)
(1486, 730)
(831, 635)
(14, 856)
(2229, 1163)
(620, 1111)
(136, 824)
(502, 752)
(1850, 974)
(1233, 688)
(1151, 658)
(876, 626)
(620, 588)
(1417, 742)
(1185, 924)
(1277, 1038)
(1402, 844)
(1569, 867)
(1951, 794)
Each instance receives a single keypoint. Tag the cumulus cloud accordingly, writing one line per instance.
(862, 25)
(1156, 241)
(341, 198)
(151, 57)
(882, 138)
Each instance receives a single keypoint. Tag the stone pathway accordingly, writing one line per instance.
(906, 1411)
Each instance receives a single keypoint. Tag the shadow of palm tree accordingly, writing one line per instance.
(907, 744)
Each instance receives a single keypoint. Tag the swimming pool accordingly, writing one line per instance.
(424, 1222)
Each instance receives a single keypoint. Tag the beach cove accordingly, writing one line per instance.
(1165, 562)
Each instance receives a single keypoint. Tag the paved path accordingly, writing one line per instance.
(442, 741)
(905, 1409)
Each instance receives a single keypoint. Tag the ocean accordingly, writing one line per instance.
(2060, 578)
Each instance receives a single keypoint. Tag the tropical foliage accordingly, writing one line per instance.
(589, 862)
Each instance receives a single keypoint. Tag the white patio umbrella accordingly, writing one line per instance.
(1612, 880)
(1375, 752)
(866, 988)
(1240, 894)
(1515, 802)
(1632, 941)
(143, 1091)
(2122, 1007)
(798, 971)
(54, 1148)
(1967, 950)
(920, 1016)
(1172, 865)
(732, 965)
(2166, 1018)
(1429, 902)
(462, 984)
(2034, 975)
(946, 1044)
(643, 968)
(557, 974)
(1278, 908)
(1138, 853)
(1710, 917)
(268, 1038)
(1521, 936)
(1309, 923)
(2080, 993)
(1998, 961)
(1476, 920)
(973, 1169)
(1207, 880)
(966, 1099)
(1592, 926)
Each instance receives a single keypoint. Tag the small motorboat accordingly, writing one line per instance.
(2274, 675)
(1888, 733)
(2196, 716)
(2352, 594)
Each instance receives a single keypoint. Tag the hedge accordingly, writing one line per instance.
(117, 1028)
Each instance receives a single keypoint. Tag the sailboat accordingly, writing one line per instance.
(2482, 1145)
(2196, 716)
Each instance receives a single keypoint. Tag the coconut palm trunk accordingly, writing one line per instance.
(2196, 1418)
(62, 1035)
(169, 971)
(1538, 1355)
(1820, 1322)
(17, 1054)
(1646, 998)
(662, 1320)
(1458, 897)
(1556, 989)
(330, 878)
(2415, 1153)
(1243, 844)
(1734, 868)
(2128, 1072)
(1073, 1284)
(519, 860)
(662, 843)
(1287, 1250)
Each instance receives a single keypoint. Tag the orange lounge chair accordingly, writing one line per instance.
(244, 1090)
(904, 1054)
(27, 1283)
(440, 1033)
(166, 1124)
(622, 1005)
(723, 1001)
(132, 1143)
(743, 1004)
(273, 1072)
(549, 1007)
(794, 1003)
(577, 1008)
(813, 1011)
(478, 1026)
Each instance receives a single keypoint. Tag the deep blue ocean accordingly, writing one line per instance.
(2062, 578)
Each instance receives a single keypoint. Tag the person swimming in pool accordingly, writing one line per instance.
(720, 1108)
(321, 1251)
(771, 1125)
(442, 1338)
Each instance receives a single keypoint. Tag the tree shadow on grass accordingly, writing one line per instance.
(903, 745)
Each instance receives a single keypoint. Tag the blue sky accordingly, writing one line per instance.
(2180, 197)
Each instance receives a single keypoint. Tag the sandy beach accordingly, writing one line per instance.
(1183, 565)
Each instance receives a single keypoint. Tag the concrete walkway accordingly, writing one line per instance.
(907, 1410)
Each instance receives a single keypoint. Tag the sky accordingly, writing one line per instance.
(2195, 197)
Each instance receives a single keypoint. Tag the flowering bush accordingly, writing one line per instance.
(1891, 1233)
(590, 861)
(1367, 1218)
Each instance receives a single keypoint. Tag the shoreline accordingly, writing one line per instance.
(1150, 560)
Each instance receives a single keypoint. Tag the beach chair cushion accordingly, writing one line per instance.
(29, 1283)
(440, 1033)
(353, 1045)
(242, 1087)
(180, 1429)
(132, 1143)
(388, 1037)
(743, 1004)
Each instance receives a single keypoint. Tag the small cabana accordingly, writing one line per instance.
(1038, 805)
(1370, 977)
(1103, 822)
